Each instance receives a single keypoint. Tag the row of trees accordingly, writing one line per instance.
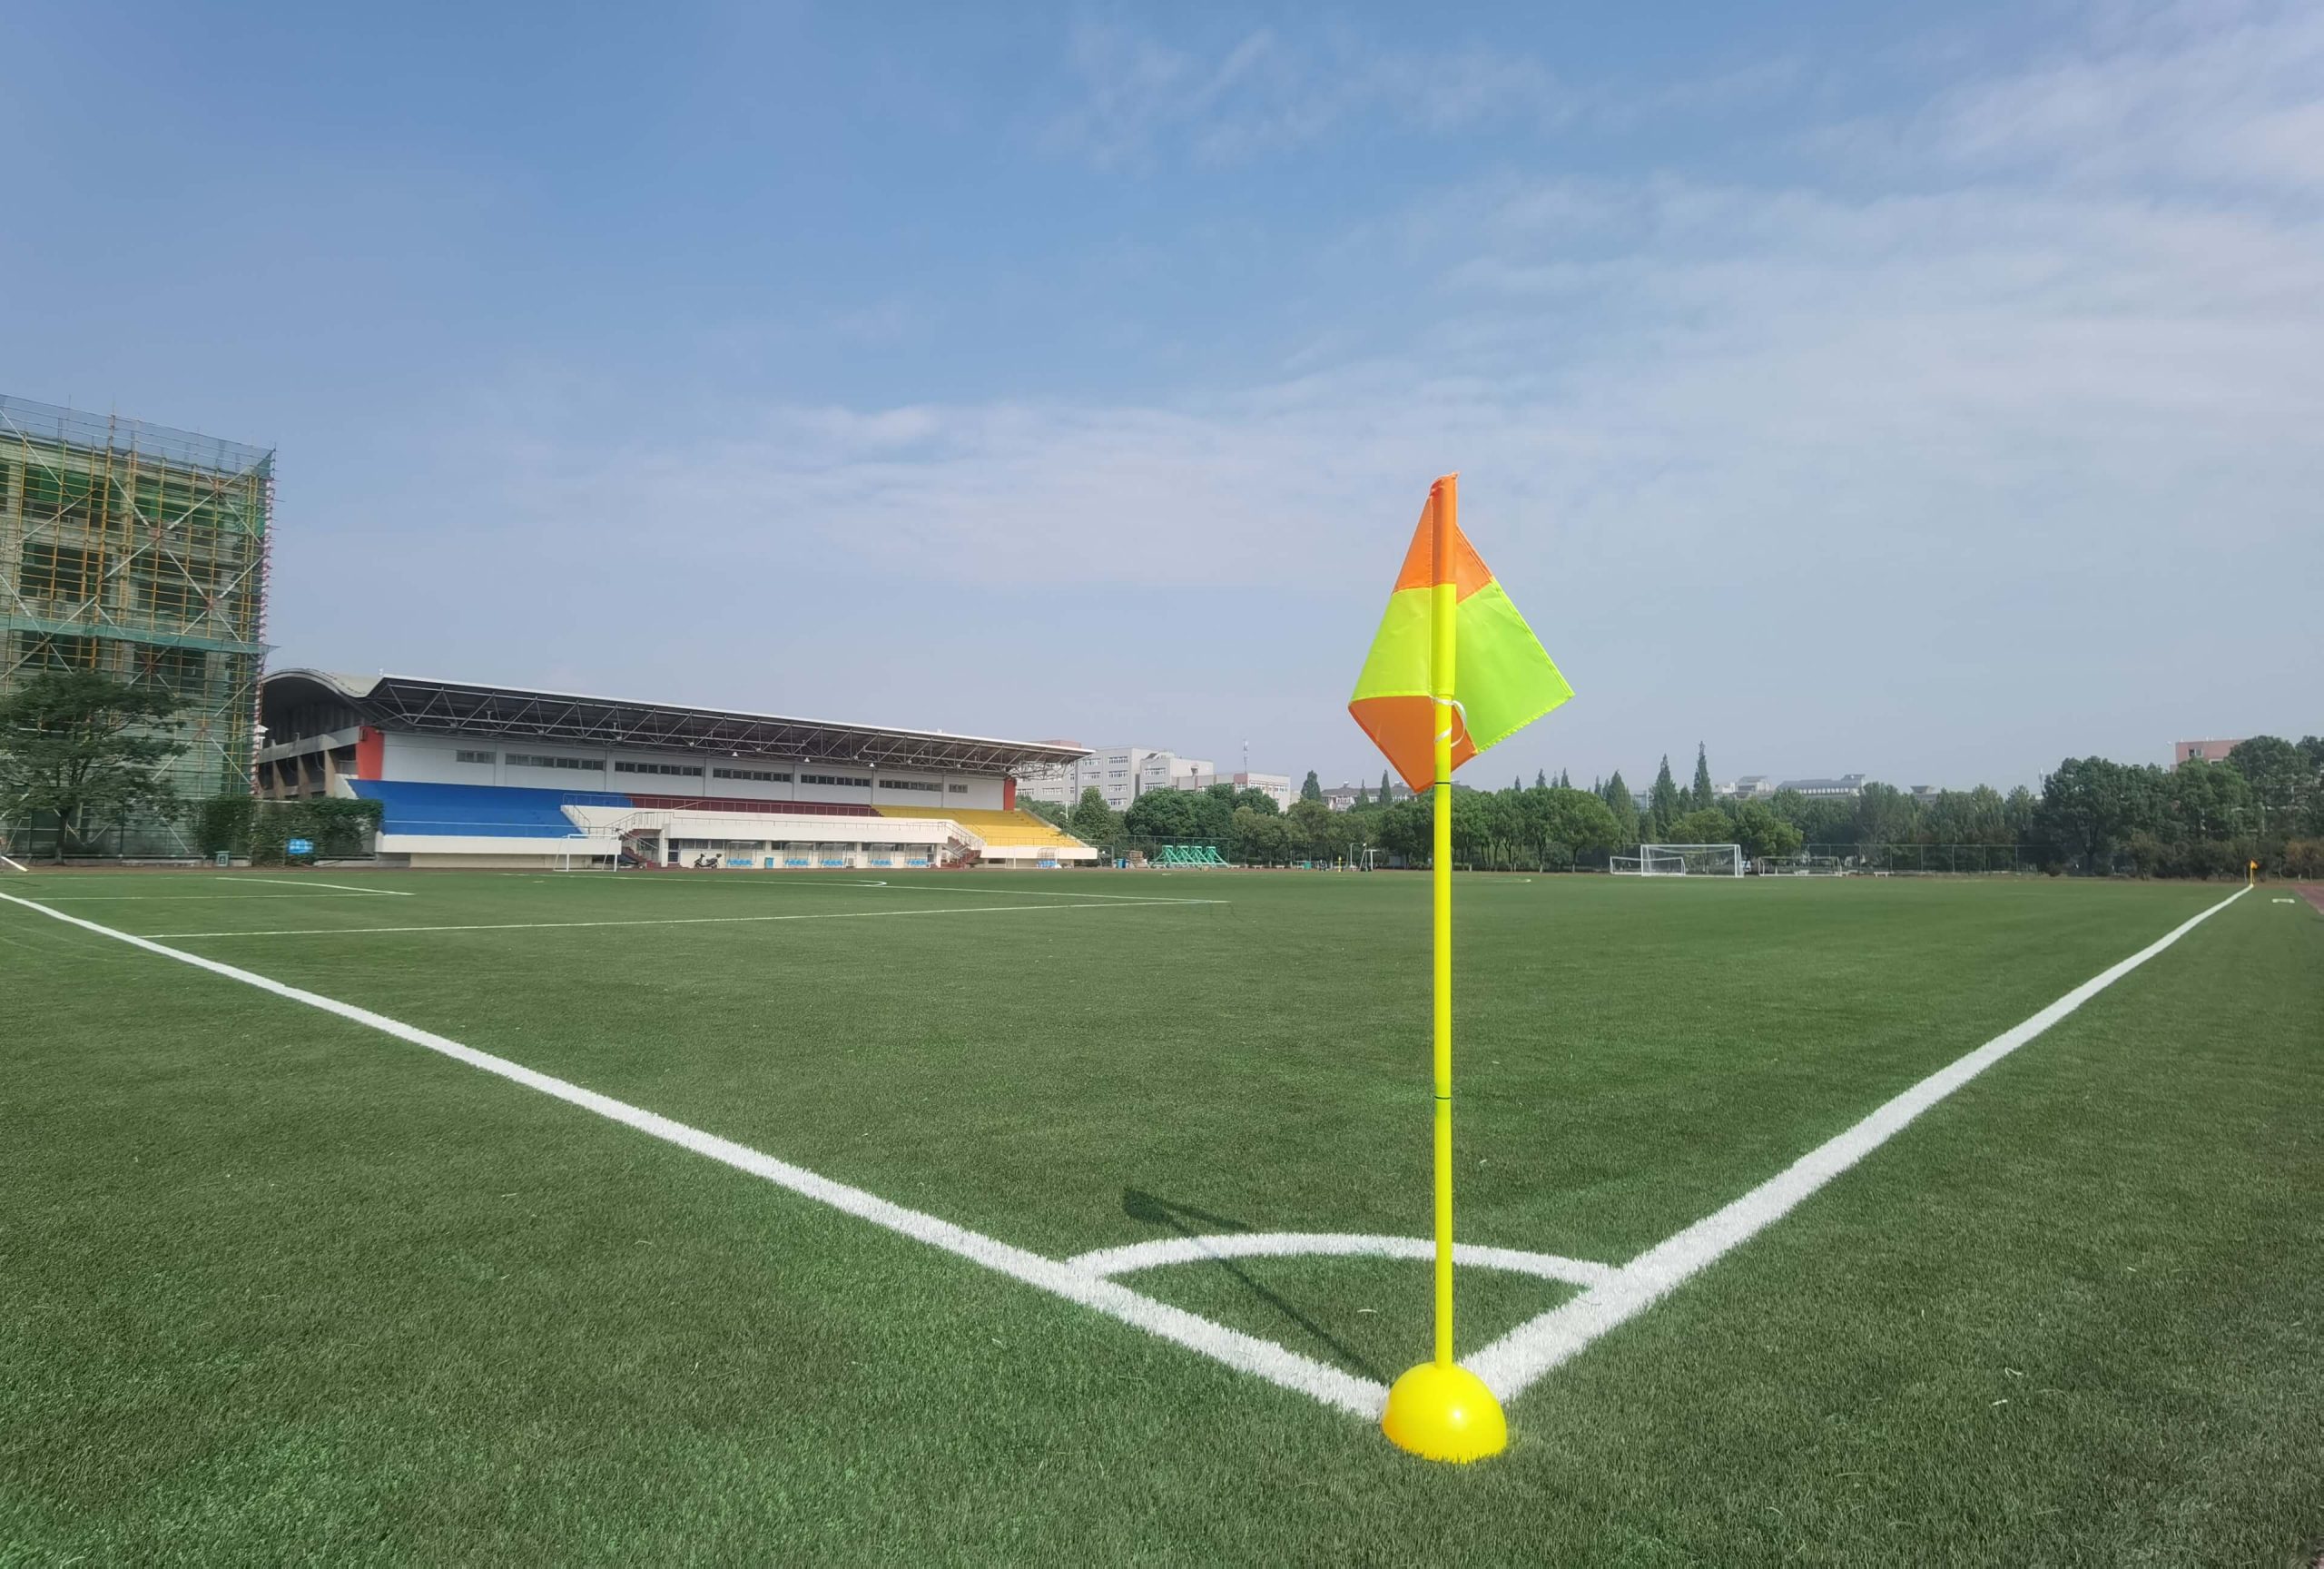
(2264, 802)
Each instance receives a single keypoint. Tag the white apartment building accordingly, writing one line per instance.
(1119, 774)
(1276, 787)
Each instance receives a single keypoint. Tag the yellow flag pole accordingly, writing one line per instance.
(1443, 611)
(1440, 1410)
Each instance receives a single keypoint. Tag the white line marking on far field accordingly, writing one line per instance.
(1518, 1359)
(670, 921)
(1245, 1353)
(343, 887)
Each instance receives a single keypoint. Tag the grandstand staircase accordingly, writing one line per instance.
(643, 847)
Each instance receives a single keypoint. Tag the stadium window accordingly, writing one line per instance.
(472, 757)
(958, 789)
(840, 779)
(536, 760)
(681, 769)
(928, 786)
(760, 775)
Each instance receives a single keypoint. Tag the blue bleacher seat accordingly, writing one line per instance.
(479, 811)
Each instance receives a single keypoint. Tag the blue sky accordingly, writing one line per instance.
(1846, 386)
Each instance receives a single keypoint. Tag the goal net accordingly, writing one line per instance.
(1680, 861)
(1805, 866)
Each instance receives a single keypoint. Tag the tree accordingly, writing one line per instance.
(1260, 839)
(1162, 814)
(1311, 788)
(1317, 833)
(1387, 793)
(1884, 815)
(1762, 834)
(1254, 799)
(1056, 814)
(1704, 825)
(2092, 807)
(1541, 779)
(1662, 801)
(88, 750)
(1407, 829)
(1094, 822)
(1702, 798)
(1624, 808)
(1362, 799)
(1565, 780)
(2281, 778)
(1577, 820)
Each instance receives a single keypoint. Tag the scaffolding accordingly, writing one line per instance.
(139, 552)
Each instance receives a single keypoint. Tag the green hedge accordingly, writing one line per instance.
(261, 831)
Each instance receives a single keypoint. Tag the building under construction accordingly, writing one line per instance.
(139, 552)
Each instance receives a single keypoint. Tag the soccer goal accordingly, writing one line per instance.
(1680, 861)
(1805, 866)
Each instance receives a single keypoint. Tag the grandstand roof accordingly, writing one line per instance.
(411, 704)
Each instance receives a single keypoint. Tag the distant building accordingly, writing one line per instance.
(1119, 773)
(2208, 750)
(1750, 788)
(1847, 786)
(1342, 797)
(1277, 787)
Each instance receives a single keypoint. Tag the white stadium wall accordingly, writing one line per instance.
(436, 760)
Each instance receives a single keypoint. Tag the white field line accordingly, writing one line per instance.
(666, 921)
(343, 887)
(811, 881)
(1245, 1353)
(1518, 1359)
(17, 866)
(186, 898)
(1212, 1246)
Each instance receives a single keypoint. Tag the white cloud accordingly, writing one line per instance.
(1258, 95)
(1911, 445)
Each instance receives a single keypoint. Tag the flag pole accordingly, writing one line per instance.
(1443, 625)
(1440, 1410)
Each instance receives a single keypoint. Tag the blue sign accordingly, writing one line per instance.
(301, 847)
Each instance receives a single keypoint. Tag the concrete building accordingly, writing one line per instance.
(1847, 786)
(1749, 787)
(1277, 787)
(1342, 797)
(1121, 774)
(2208, 750)
(139, 553)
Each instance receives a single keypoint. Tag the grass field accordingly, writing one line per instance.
(275, 1284)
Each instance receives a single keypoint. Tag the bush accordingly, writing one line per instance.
(263, 829)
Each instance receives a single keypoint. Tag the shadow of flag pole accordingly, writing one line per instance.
(1447, 609)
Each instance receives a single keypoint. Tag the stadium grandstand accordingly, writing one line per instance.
(477, 775)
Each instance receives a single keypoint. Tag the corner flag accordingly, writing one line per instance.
(1507, 679)
(1447, 606)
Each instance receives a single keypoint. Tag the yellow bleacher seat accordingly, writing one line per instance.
(995, 828)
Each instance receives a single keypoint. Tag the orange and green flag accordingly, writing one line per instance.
(1505, 679)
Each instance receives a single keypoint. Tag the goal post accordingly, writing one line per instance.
(1680, 861)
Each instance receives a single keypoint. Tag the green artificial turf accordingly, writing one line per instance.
(276, 1286)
